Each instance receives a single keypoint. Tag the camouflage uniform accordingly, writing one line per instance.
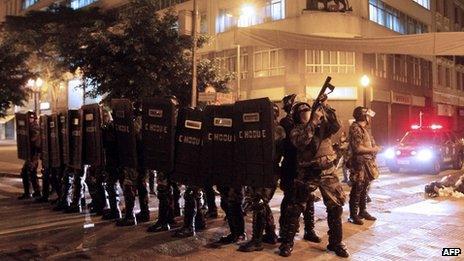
(288, 174)
(263, 220)
(231, 203)
(315, 170)
(29, 169)
(360, 180)
(194, 219)
(166, 208)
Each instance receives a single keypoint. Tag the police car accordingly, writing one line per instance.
(428, 149)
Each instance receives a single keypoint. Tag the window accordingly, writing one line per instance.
(275, 9)
(203, 23)
(423, 3)
(399, 68)
(440, 75)
(459, 80)
(228, 62)
(76, 4)
(319, 61)
(390, 17)
(381, 65)
(28, 3)
(269, 62)
(448, 77)
(225, 21)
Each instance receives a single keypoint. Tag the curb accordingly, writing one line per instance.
(9, 175)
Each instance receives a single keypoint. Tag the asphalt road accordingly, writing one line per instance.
(409, 227)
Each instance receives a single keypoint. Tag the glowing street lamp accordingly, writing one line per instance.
(35, 86)
(247, 15)
(365, 82)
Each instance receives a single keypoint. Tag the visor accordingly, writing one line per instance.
(370, 113)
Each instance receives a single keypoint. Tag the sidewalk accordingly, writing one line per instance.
(10, 165)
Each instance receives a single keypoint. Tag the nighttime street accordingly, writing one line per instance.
(410, 226)
(231, 130)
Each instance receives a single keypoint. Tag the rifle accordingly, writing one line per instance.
(321, 97)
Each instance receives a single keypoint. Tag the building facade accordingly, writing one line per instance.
(400, 86)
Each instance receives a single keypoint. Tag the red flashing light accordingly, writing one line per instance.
(436, 127)
(433, 127)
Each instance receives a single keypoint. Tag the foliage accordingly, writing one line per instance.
(14, 74)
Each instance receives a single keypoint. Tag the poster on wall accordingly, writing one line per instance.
(329, 5)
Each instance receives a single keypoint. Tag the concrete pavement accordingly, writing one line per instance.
(10, 165)
(409, 227)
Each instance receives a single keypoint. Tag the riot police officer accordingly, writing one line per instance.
(231, 203)
(112, 166)
(363, 150)
(135, 180)
(29, 169)
(194, 219)
(166, 207)
(316, 169)
(263, 220)
(289, 171)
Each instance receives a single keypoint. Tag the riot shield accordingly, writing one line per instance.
(23, 140)
(255, 146)
(75, 138)
(45, 141)
(92, 136)
(64, 137)
(123, 117)
(217, 153)
(187, 168)
(159, 117)
(54, 141)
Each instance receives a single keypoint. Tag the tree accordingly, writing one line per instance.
(40, 35)
(140, 54)
(14, 75)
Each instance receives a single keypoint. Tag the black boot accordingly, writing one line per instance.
(25, 180)
(113, 201)
(363, 206)
(159, 226)
(334, 220)
(188, 229)
(129, 217)
(25, 196)
(286, 249)
(308, 215)
(143, 216)
(355, 194)
(259, 222)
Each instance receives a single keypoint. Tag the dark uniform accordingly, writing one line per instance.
(135, 181)
(359, 166)
(231, 203)
(194, 219)
(263, 220)
(315, 170)
(29, 169)
(112, 170)
(166, 208)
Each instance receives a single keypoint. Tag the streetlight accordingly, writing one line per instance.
(35, 86)
(365, 82)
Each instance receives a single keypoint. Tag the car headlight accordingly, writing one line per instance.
(390, 153)
(425, 155)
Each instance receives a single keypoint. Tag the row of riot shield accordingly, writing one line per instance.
(71, 138)
(231, 145)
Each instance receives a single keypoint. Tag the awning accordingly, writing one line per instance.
(6, 119)
(428, 44)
